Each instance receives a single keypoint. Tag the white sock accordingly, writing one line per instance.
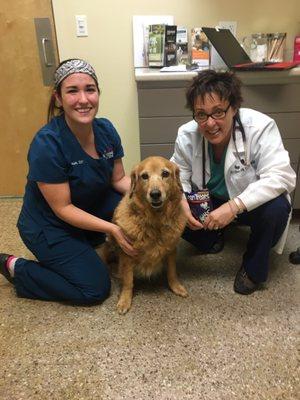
(11, 266)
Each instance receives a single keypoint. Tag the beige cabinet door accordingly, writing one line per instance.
(24, 97)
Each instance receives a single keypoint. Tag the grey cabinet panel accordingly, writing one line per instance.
(161, 130)
(163, 150)
(288, 124)
(162, 102)
(272, 98)
(163, 84)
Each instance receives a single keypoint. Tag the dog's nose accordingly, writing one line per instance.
(155, 194)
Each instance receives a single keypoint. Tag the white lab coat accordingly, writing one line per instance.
(268, 175)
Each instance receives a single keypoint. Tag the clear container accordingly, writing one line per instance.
(259, 47)
(276, 45)
(256, 46)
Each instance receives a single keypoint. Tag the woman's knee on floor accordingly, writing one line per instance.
(89, 277)
(94, 296)
(96, 289)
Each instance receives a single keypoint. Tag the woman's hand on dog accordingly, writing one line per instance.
(123, 241)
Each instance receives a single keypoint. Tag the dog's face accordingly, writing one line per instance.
(155, 180)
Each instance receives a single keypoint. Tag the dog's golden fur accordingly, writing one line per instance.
(152, 218)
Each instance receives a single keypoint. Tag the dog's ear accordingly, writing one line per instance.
(133, 177)
(176, 172)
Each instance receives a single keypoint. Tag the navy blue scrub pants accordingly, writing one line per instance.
(69, 270)
(267, 223)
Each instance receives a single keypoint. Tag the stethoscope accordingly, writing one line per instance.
(237, 125)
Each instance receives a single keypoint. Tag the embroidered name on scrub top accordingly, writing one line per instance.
(108, 153)
(216, 184)
(79, 162)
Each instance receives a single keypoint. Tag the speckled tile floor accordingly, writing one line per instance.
(213, 345)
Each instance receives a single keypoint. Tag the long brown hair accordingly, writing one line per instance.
(53, 108)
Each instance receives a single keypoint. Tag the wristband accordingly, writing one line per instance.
(234, 211)
(237, 202)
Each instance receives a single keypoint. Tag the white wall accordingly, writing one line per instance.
(109, 45)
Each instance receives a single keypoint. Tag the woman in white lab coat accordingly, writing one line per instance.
(239, 155)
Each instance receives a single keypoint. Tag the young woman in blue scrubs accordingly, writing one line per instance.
(75, 180)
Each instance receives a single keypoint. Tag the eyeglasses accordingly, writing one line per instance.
(201, 116)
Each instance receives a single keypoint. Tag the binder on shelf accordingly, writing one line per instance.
(182, 46)
(156, 45)
(170, 45)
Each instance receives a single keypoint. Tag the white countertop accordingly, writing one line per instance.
(247, 77)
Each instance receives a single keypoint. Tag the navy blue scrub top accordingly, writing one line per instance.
(56, 156)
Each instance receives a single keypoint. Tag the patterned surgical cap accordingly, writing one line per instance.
(73, 67)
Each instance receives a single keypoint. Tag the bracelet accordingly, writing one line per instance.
(237, 202)
(234, 212)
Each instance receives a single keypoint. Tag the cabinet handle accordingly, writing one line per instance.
(47, 63)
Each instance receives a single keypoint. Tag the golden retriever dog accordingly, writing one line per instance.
(152, 218)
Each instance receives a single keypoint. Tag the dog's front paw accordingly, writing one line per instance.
(179, 289)
(124, 305)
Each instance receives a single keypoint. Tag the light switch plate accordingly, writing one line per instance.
(81, 25)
